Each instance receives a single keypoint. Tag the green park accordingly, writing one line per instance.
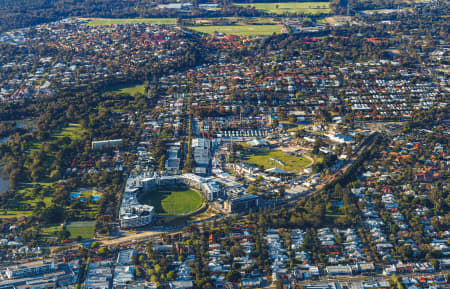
(285, 161)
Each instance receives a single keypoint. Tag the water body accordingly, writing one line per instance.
(6, 138)
(4, 183)
(339, 204)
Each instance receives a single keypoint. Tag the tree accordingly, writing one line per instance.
(141, 259)
(135, 259)
(233, 276)
(162, 162)
(308, 242)
(171, 276)
(397, 281)
(252, 189)
(54, 175)
(53, 214)
(103, 251)
(281, 192)
(405, 252)
(236, 251)
(435, 263)
(64, 234)
(95, 244)
(138, 272)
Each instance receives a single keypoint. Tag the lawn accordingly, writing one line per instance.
(291, 7)
(14, 214)
(241, 30)
(50, 231)
(174, 201)
(289, 163)
(131, 90)
(109, 21)
(25, 207)
(73, 131)
(85, 229)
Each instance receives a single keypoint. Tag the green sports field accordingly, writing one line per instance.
(109, 21)
(174, 201)
(291, 163)
(241, 30)
(84, 229)
(290, 7)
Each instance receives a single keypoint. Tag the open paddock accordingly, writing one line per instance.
(290, 7)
